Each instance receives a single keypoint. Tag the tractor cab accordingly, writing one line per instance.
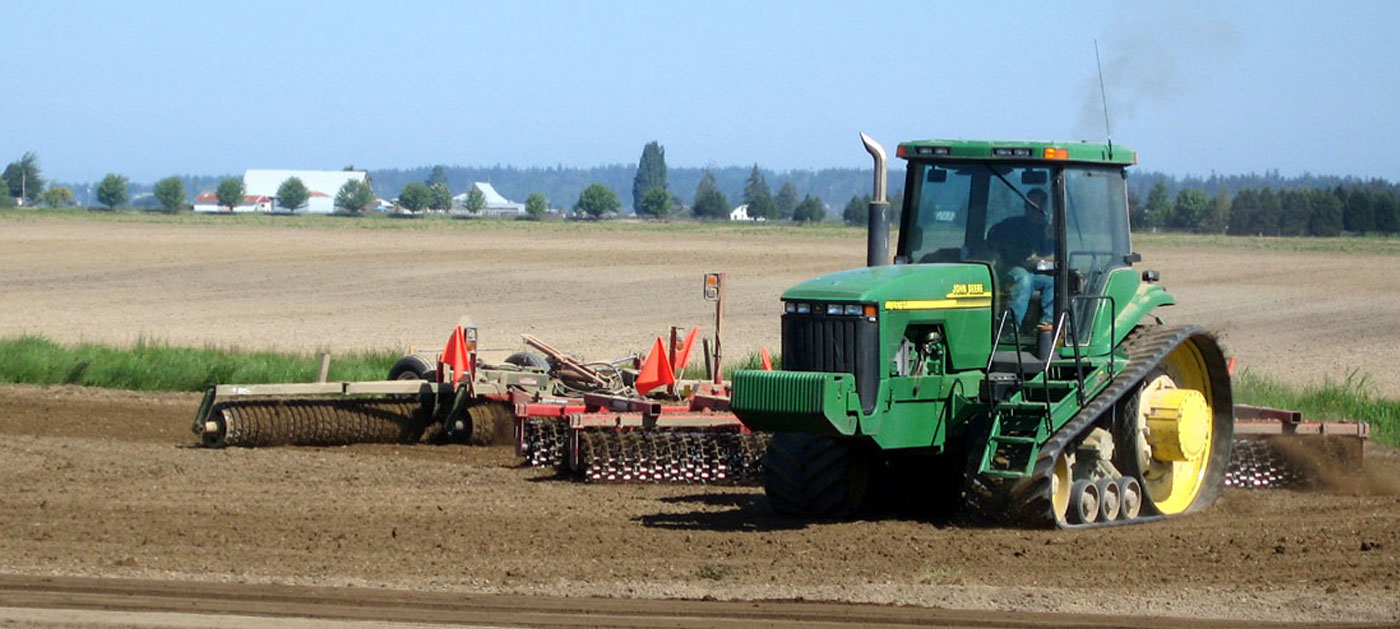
(1048, 217)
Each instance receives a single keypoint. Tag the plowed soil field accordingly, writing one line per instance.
(107, 484)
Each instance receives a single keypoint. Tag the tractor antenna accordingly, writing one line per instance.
(1103, 94)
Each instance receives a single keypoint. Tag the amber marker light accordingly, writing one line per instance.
(869, 310)
(1052, 152)
(901, 151)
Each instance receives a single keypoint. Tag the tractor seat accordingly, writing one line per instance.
(1005, 362)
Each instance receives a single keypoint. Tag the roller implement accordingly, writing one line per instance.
(588, 419)
(1011, 361)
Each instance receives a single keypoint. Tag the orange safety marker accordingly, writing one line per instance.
(767, 360)
(1230, 368)
(683, 356)
(455, 355)
(656, 371)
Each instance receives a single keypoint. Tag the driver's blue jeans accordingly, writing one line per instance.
(1023, 283)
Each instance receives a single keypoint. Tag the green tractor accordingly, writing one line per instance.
(1010, 362)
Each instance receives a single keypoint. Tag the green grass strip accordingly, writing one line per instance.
(1352, 399)
(152, 366)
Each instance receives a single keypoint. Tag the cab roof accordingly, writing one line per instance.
(1018, 150)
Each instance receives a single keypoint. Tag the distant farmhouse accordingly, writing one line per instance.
(261, 188)
(496, 205)
(741, 213)
(209, 202)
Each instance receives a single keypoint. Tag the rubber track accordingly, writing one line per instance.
(1026, 502)
(317, 422)
(808, 476)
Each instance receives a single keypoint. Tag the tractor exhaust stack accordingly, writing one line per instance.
(877, 239)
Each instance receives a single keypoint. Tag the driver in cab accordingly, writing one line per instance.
(1022, 243)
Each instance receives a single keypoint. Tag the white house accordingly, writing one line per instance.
(496, 205)
(741, 213)
(209, 202)
(322, 184)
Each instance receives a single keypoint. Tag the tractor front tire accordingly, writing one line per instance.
(813, 476)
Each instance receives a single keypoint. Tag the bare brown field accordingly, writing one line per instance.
(106, 483)
(599, 292)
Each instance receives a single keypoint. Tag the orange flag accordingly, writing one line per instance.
(455, 355)
(656, 371)
(683, 356)
(767, 360)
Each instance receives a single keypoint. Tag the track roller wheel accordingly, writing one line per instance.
(1110, 500)
(1129, 497)
(1083, 502)
(814, 476)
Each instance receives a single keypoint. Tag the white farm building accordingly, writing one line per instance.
(322, 184)
(496, 205)
(261, 186)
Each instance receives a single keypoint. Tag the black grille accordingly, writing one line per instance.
(834, 344)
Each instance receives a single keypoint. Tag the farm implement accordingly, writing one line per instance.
(626, 420)
(1076, 409)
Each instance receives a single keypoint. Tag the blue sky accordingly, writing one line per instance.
(149, 89)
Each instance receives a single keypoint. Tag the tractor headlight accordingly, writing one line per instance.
(834, 309)
(853, 309)
(804, 308)
(789, 307)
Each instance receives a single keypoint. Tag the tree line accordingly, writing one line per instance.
(1267, 204)
(1357, 208)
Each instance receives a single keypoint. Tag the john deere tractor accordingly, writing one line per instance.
(1073, 409)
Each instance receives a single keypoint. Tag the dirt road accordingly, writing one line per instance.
(103, 483)
(597, 290)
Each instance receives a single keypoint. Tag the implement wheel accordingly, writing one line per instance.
(814, 476)
(1178, 427)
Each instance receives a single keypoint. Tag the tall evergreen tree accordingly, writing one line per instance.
(1158, 208)
(1294, 209)
(437, 176)
(1244, 211)
(857, 211)
(1386, 212)
(709, 201)
(1267, 219)
(1217, 214)
(758, 197)
(1326, 217)
(810, 210)
(651, 172)
(1358, 216)
(786, 200)
(22, 176)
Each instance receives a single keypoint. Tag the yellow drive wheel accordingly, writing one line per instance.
(1176, 430)
(1060, 483)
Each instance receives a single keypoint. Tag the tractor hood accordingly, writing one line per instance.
(902, 286)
